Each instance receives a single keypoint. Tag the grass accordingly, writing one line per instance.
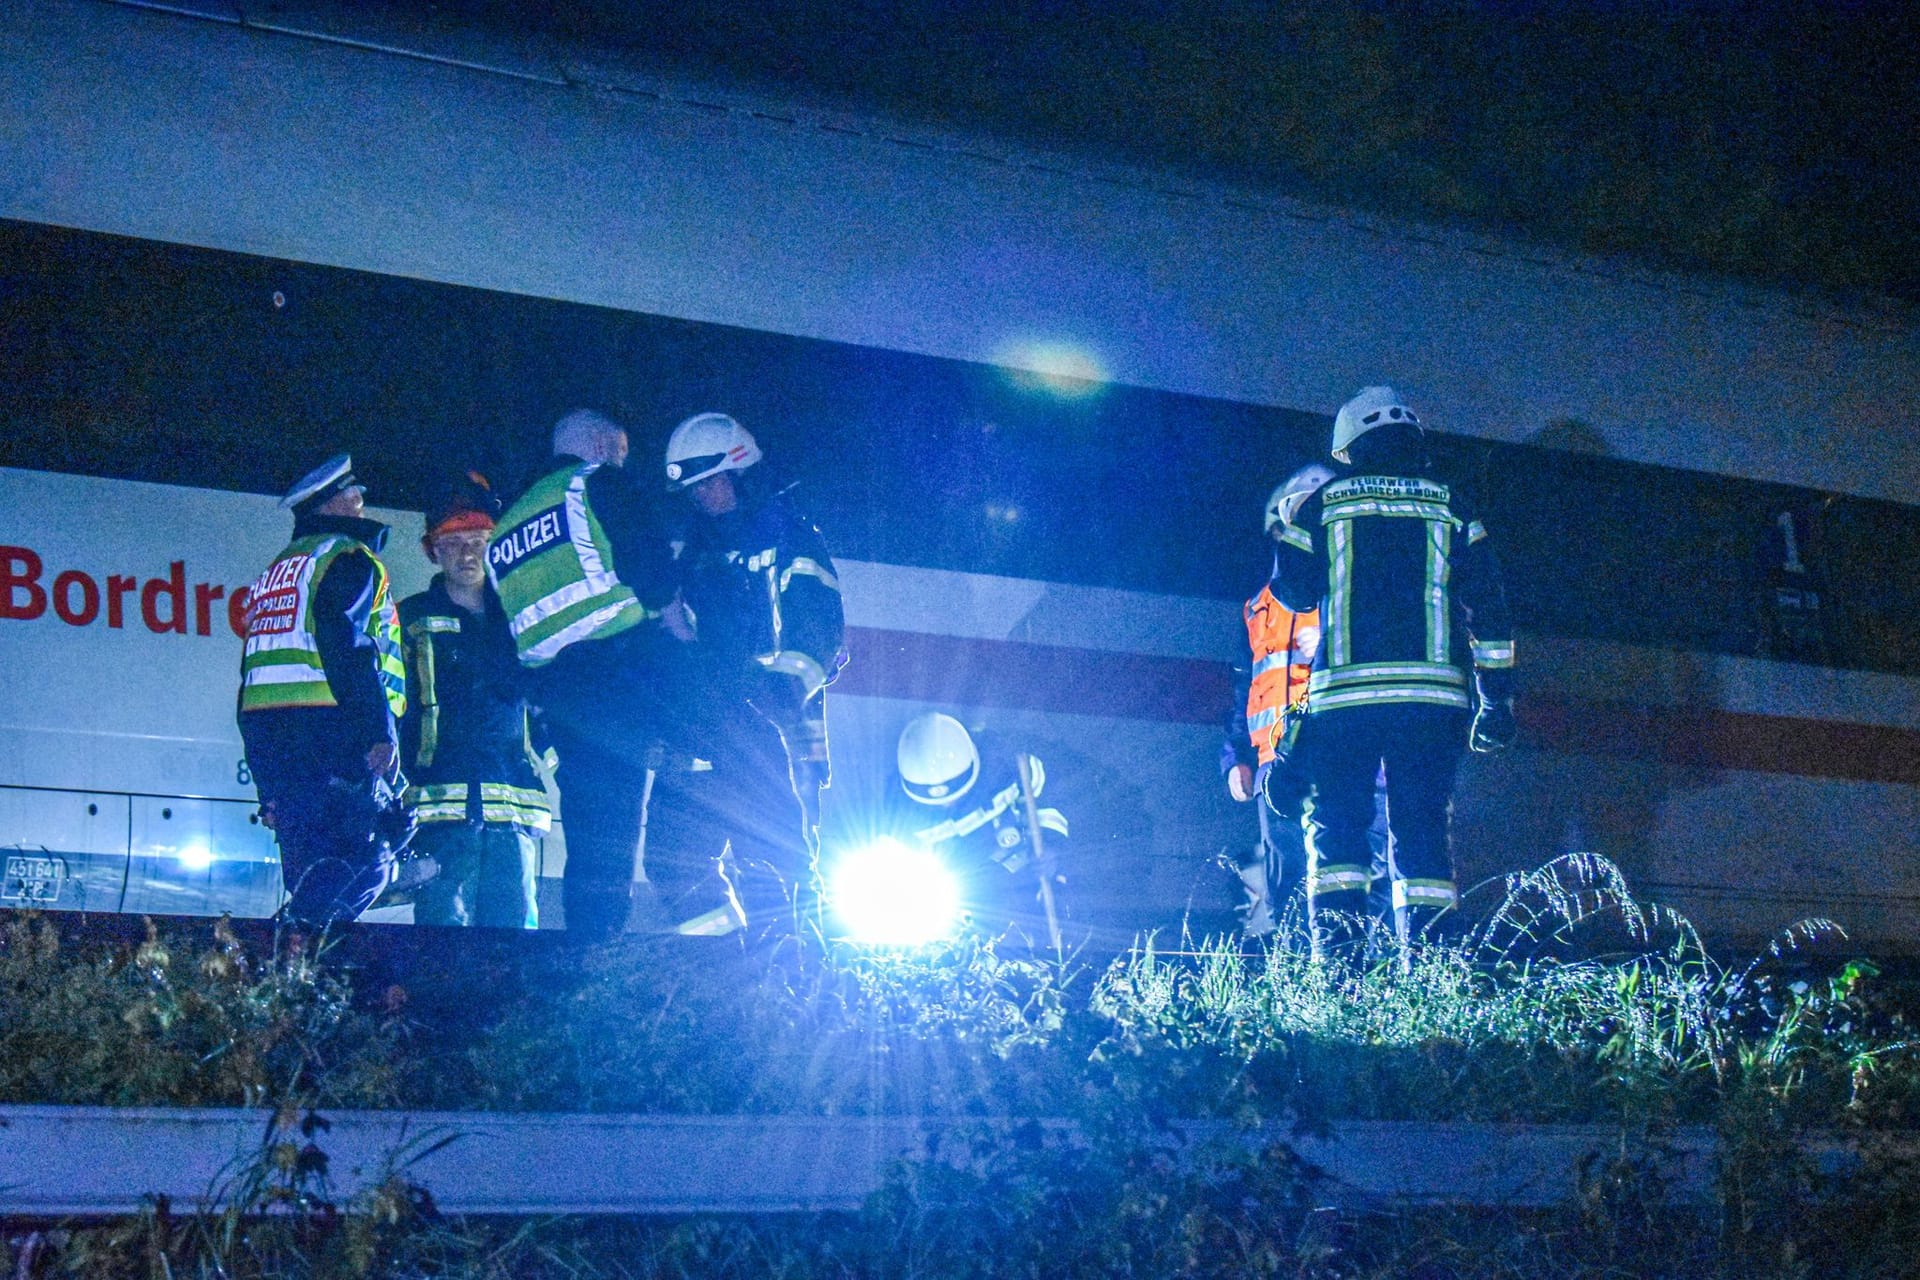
(1569, 1002)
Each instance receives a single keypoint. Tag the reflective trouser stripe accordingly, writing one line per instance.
(1425, 893)
(1338, 878)
(1493, 655)
(812, 676)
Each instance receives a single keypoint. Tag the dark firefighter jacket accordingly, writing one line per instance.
(296, 746)
(987, 825)
(1409, 591)
(766, 605)
(468, 739)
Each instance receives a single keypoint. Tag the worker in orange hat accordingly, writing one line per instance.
(468, 736)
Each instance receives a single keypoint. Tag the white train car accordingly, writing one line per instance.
(1035, 403)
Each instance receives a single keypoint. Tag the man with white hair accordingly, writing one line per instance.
(584, 571)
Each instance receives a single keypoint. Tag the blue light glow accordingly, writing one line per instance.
(893, 894)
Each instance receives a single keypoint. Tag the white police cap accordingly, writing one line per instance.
(335, 475)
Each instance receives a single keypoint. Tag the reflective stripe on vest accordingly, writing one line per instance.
(1282, 642)
(552, 565)
(281, 664)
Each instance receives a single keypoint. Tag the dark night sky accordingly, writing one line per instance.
(1770, 142)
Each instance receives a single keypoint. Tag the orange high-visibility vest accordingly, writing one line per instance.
(1283, 644)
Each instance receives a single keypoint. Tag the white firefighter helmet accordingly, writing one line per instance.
(938, 761)
(1372, 407)
(707, 444)
(1287, 499)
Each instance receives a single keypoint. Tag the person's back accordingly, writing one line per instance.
(583, 573)
(1411, 610)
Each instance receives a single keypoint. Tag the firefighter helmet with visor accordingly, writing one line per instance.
(1292, 493)
(938, 760)
(705, 445)
(1372, 407)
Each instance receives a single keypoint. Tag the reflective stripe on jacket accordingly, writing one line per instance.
(1282, 643)
(469, 738)
(1403, 566)
(499, 803)
(281, 665)
(552, 565)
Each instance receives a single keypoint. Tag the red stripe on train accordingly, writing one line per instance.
(1711, 738)
(921, 667)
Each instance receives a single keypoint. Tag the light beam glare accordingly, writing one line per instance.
(892, 894)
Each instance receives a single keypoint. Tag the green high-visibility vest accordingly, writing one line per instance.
(552, 565)
(281, 664)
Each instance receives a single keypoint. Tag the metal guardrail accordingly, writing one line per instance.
(94, 1161)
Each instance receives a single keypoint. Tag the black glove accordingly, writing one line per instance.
(1494, 727)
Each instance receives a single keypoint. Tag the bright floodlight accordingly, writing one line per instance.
(195, 857)
(893, 894)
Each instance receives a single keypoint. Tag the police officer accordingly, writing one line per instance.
(582, 569)
(1415, 643)
(1270, 694)
(468, 738)
(321, 684)
(762, 603)
(975, 812)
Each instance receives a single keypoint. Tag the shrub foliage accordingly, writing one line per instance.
(1570, 1002)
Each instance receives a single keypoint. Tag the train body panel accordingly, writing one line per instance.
(1749, 793)
(320, 133)
(1752, 790)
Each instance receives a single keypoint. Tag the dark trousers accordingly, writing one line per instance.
(1286, 797)
(607, 703)
(738, 825)
(1286, 809)
(488, 876)
(1421, 746)
(330, 863)
(603, 811)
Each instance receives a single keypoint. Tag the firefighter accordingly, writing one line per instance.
(321, 685)
(582, 569)
(974, 811)
(1415, 659)
(1270, 693)
(761, 601)
(468, 737)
